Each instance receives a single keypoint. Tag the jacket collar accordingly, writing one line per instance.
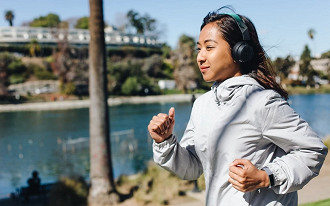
(225, 91)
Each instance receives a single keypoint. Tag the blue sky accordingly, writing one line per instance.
(282, 25)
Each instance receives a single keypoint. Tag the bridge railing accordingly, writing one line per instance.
(12, 35)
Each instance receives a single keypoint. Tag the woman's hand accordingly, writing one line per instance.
(161, 126)
(245, 177)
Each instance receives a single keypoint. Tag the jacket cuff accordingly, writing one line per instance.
(165, 144)
(278, 174)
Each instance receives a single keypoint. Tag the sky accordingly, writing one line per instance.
(282, 25)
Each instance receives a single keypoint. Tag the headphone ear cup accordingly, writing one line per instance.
(242, 52)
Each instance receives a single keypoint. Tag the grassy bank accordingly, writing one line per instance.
(326, 141)
(318, 203)
(324, 89)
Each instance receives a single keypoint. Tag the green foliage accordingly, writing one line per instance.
(282, 66)
(129, 51)
(325, 55)
(82, 23)
(187, 40)
(305, 66)
(127, 77)
(318, 203)
(16, 67)
(40, 73)
(69, 192)
(25, 50)
(306, 54)
(326, 141)
(131, 86)
(51, 20)
(9, 16)
(17, 72)
(311, 33)
(34, 47)
(141, 23)
(166, 51)
(167, 70)
(186, 72)
(323, 89)
(16, 79)
(68, 88)
(5, 59)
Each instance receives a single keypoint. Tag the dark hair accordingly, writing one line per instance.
(259, 67)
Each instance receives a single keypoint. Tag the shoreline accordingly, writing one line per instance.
(77, 104)
(112, 101)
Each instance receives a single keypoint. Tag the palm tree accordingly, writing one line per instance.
(102, 191)
(9, 16)
(311, 34)
(34, 47)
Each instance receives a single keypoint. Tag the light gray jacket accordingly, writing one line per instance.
(239, 119)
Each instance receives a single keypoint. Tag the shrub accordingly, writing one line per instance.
(68, 88)
(69, 191)
(131, 86)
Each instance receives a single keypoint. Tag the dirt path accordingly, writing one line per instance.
(319, 187)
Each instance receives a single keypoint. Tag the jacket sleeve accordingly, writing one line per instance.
(179, 158)
(305, 151)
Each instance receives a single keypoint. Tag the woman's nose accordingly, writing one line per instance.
(201, 56)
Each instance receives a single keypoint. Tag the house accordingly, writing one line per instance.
(166, 84)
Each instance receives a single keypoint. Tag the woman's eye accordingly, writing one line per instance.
(209, 48)
(198, 50)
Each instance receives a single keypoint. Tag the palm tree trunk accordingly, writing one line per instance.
(102, 191)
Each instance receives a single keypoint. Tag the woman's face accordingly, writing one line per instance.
(214, 55)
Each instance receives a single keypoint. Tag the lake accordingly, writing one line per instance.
(56, 142)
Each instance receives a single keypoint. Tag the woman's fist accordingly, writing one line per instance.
(161, 126)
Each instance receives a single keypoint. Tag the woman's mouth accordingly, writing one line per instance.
(203, 68)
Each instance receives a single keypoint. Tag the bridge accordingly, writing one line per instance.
(74, 37)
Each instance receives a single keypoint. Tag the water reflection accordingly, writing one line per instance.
(56, 142)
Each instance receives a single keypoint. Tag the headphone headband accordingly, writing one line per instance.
(241, 25)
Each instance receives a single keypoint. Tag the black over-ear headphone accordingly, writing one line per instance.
(242, 52)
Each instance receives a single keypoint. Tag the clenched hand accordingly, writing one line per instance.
(161, 126)
(245, 177)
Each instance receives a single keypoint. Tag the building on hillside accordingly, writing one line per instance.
(74, 37)
(166, 84)
(294, 72)
(320, 65)
(35, 87)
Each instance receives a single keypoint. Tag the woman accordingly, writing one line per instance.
(251, 146)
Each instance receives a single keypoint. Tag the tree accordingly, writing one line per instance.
(9, 16)
(311, 34)
(102, 190)
(282, 66)
(82, 23)
(142, 24)
(305, 68)
(51, 20)
(325, 55)
(184, 64)
(5, 60)
(34, 47)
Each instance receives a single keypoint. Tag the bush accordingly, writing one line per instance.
(16, 79)
(131, 86)
(40, 73)
(69, 191)
(68, 88)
